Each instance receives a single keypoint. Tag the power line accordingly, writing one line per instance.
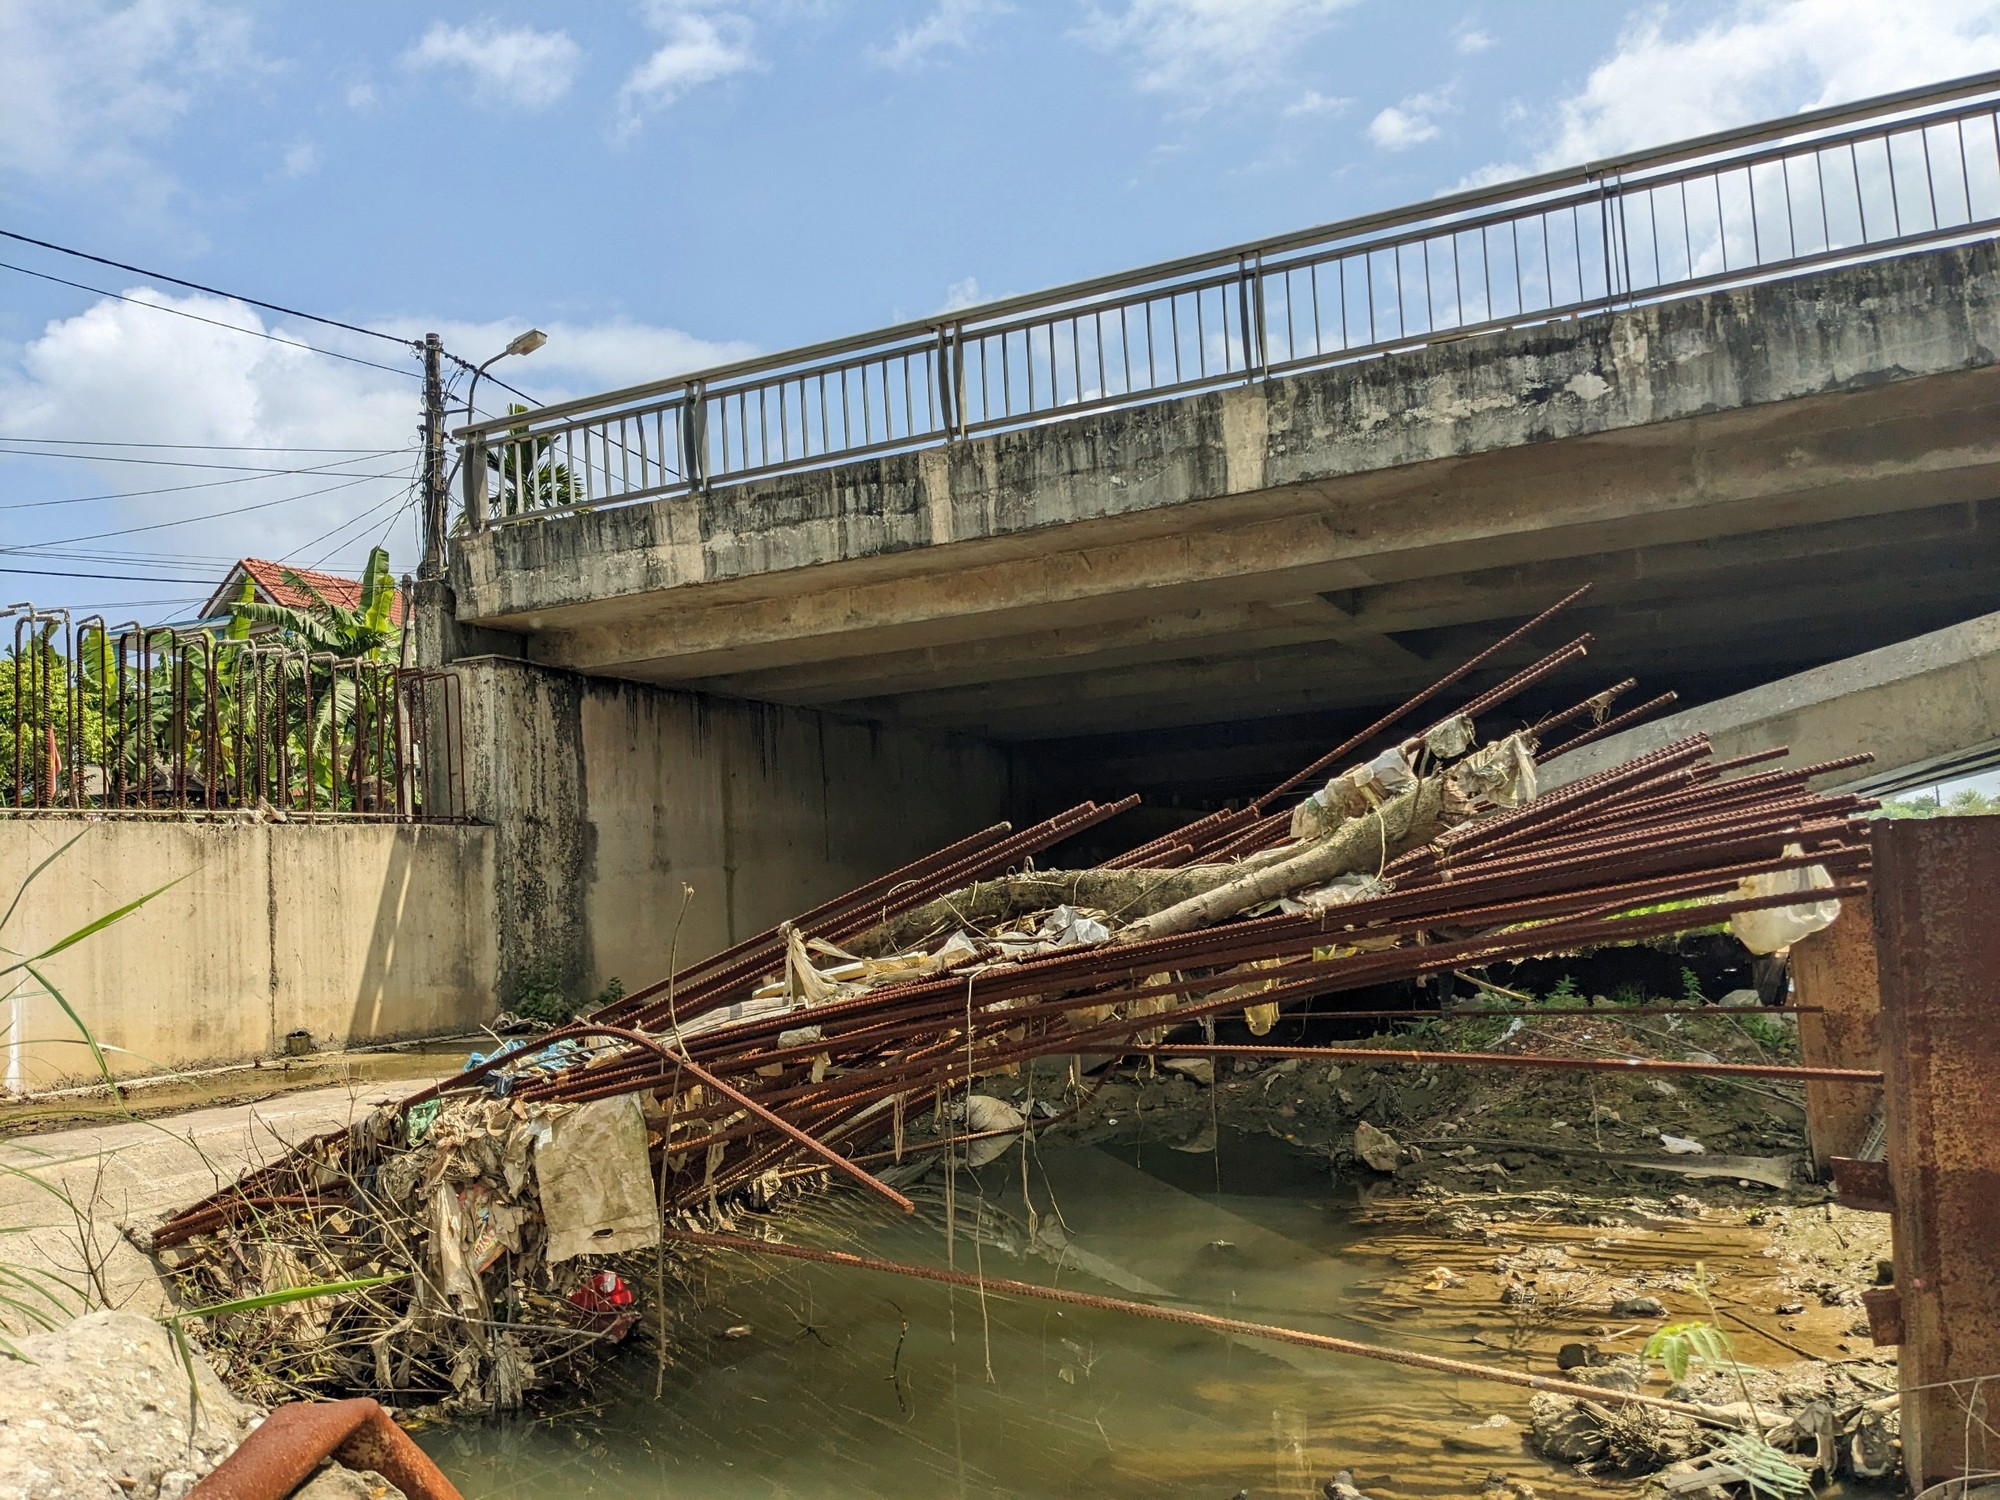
(353, 359)
(290, 312)
(490, 378)
(410, 499)
(108, 577)
(192, 447)
(191, 463)
(350, 521)
(205, 484)
(190, 520)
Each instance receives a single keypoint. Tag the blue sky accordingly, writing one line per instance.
(667, 183)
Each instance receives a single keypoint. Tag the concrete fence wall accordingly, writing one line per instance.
(597, 800)
(353, 932)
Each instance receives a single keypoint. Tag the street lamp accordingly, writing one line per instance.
(522, 343)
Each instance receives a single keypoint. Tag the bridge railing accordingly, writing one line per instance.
(1857, 182)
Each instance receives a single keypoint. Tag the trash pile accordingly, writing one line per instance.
(806, 1052)
(1811, 1421)
(464, 1247)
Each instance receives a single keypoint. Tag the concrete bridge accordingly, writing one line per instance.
(1175, 531)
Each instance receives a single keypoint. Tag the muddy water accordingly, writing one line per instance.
(795, 1380)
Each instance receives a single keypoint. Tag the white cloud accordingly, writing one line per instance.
(174, 381)
(302, 159)
(1761, 59)
(360, 96)
(1490, 175)
(89, 86)
(1313, 102)
(514, 65)
(1470, 40)
(701, 45)
(1204, 51)
(1409, 123)
(952, 24)
(962, 294)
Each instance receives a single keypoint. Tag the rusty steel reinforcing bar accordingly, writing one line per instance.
(1514, 1060)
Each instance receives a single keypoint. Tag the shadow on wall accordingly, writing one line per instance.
(428, 954)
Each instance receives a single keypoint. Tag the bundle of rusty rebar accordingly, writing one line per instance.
(1666, 842)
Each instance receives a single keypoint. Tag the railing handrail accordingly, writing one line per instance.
(1518, 190)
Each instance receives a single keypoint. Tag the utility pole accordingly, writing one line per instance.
(436, 509)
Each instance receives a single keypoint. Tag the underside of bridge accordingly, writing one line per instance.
(1191, 598)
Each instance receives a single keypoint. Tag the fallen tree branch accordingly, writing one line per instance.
(1154, 903)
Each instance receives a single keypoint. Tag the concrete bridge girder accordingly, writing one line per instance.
(1768, 477)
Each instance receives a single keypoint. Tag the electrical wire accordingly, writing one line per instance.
(290, 312)
(412, 490)
(192, 463)
(206, 484)
(190, 447)
(491, 379)
(411, 500)
(110, 577)
(353, 359)
(213, 515)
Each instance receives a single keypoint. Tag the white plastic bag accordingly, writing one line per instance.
(1354, 791)
(1773, 927)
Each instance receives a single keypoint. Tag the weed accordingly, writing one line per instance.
(1691, 989)
(1767, 1033)
(1678, 1345)
(541, 994)
(544, 996)
(1566, 995)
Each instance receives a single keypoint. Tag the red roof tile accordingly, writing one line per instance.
(273, 587)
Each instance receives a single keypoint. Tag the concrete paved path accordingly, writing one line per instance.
(64, 1194)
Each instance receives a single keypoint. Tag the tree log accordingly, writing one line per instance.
(1156, 902)
(1359, 844)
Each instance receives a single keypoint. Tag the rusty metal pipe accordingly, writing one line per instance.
(294, 1440)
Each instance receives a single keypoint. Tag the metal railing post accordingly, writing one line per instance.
(473, 480)
(946, 382)
(694, 436)
(1260, 343)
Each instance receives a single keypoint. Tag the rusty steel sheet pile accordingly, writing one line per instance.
(504, 1217)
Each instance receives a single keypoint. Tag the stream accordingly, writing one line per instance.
(796, 1380)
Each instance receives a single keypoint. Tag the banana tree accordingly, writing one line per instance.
(354, 688)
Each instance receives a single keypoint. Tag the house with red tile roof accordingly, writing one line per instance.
(270, 584)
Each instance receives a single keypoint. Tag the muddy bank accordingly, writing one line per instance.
(1496, 1129)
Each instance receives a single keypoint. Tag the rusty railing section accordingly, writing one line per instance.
(132, 719)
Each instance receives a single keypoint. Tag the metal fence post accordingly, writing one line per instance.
(1939, 957)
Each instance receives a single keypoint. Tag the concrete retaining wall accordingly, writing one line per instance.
(606, 796)
(353, 932)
